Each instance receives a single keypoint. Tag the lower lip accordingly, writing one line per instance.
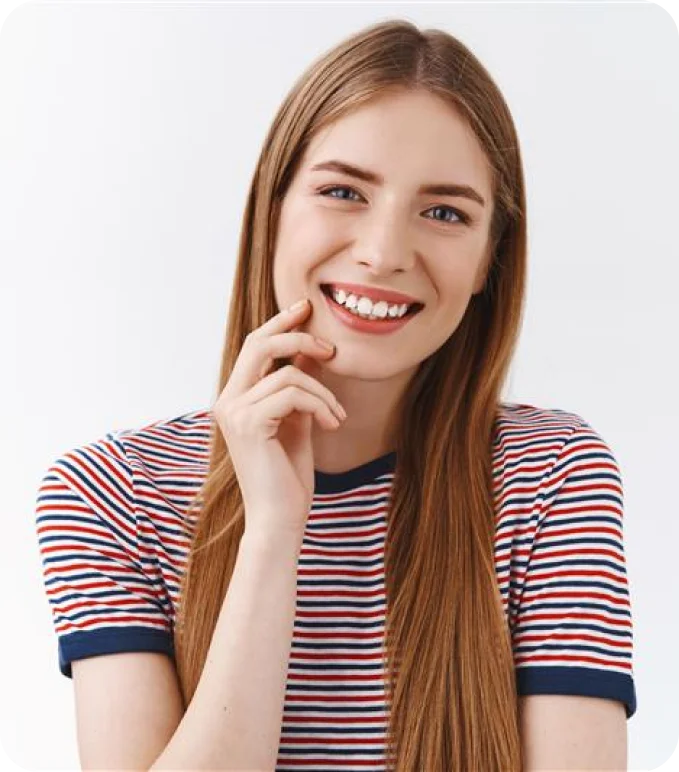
(366, 325)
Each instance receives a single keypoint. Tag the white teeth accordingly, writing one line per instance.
(362, 306)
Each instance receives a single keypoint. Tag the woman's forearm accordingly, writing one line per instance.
(234, 719)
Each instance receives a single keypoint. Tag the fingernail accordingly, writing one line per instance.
(324, 343)
(299, 304)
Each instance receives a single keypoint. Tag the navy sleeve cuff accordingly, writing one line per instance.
(580, 681)
(111, 640)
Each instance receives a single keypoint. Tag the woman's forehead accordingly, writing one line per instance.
(416, 138)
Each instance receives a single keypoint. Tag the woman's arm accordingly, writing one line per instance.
(234, 719)
(563, 731)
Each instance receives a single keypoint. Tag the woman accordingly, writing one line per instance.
(359, 556)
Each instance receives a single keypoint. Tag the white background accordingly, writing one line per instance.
(128, 136)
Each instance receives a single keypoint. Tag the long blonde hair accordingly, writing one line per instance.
(448, 663)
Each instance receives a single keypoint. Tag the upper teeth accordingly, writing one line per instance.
(367, 307)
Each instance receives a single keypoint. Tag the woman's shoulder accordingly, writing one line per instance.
(168, 459)
(179, 439)
(527, 426)
(130, 470)
(533, 443)
(517, 415)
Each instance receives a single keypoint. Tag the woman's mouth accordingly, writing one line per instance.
(365, 322)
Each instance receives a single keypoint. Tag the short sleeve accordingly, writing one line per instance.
(101, 599)
(572, 633)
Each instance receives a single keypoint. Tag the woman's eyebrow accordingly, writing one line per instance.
(437, 189)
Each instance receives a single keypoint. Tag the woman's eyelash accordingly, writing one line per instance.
(463, 217)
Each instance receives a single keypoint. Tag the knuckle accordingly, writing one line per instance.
(254, 339)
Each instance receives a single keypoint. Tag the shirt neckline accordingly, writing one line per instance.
(336, 482)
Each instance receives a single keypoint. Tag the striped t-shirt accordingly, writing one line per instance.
(110, 516)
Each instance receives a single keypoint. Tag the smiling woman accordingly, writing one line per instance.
(359, 556)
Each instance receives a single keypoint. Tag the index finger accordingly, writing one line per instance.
(284, 320)
(249, 369)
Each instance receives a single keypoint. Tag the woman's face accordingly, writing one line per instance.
(383, 232)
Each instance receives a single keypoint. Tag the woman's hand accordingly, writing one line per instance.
(266, 419)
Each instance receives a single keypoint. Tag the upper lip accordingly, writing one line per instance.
(374, 293)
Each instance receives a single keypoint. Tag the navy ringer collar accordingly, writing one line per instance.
(336, 482)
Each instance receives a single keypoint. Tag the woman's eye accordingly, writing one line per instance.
(336, 187)
(461, 217)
